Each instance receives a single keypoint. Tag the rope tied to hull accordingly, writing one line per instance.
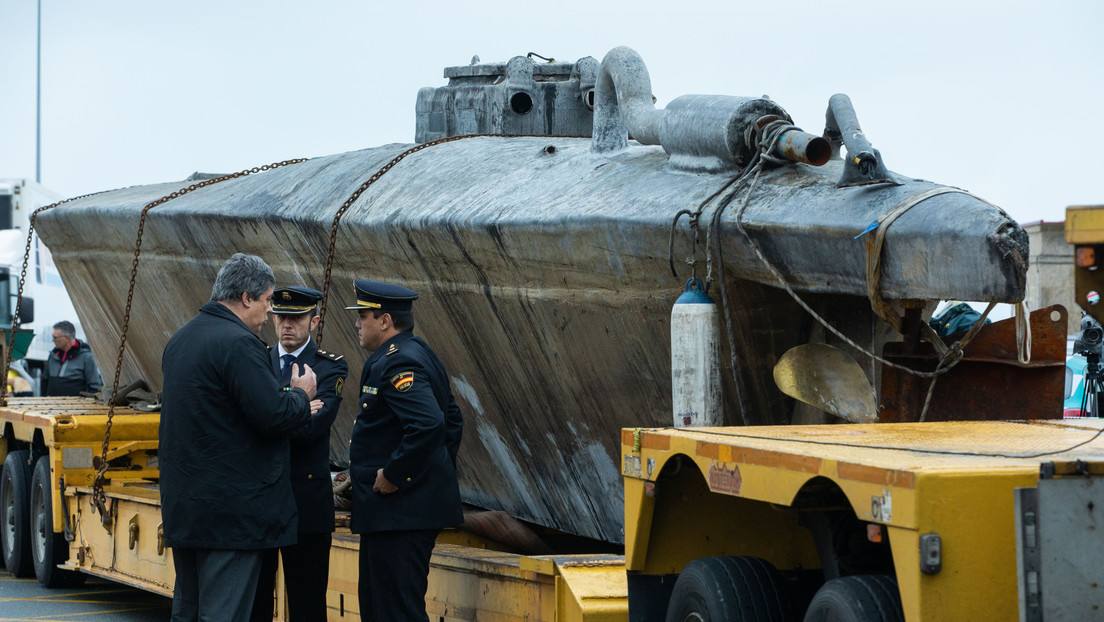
(949, 356)
(874, 246)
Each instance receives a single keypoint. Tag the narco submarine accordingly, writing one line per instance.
(550, 217)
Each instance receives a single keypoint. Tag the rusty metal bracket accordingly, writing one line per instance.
(1022, 391)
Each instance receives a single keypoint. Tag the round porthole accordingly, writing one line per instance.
(521, 102)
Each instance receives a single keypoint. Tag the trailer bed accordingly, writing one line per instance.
(699, 492)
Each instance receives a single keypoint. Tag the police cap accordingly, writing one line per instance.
(294, 300)
(382, 296)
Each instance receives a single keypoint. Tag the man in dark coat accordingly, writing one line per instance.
(402, 458)
(70, 368)
(225, 479)
(306, 563)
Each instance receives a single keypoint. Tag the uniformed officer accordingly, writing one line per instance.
(403, 456)
(306, 563)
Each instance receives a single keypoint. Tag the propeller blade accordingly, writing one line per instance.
(829, 379)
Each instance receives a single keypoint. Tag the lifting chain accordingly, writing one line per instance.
(359, 191)
(101, 463)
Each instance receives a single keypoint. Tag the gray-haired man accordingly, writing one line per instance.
(71, 368)
(225, 480)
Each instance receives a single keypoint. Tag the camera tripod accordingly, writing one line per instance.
(1094, 385)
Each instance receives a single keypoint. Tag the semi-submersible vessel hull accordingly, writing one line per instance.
(542, 253)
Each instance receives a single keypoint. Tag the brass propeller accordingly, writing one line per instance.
(829, 379)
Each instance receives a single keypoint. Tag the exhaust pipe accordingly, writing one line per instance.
(700, 133)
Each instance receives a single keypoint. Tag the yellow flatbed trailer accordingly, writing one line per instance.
(60, 527)
(924, 510)
(49, 447)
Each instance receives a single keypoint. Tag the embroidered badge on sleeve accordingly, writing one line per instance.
(403, 381)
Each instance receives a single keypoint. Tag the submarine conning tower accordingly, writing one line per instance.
(519, 97)
(610, 102)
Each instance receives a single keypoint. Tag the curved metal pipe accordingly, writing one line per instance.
(864, 165)
(623, 103)
(703, 133)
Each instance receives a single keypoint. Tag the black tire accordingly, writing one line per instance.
(729, 588)
(858, 598)
(15, 514)
(48, 549)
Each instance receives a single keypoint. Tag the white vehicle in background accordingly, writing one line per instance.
(45, 301)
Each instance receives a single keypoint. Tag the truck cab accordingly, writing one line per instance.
(43, 288)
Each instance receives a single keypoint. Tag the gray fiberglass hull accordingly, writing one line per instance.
(545, 285)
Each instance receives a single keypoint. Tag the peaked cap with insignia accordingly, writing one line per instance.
(294, 300)
(382, 296)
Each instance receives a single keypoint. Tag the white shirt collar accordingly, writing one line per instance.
(296, 354)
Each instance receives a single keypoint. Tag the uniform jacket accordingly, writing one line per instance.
(410, 426)
(69, 373)
(223, 450)
(310, 444)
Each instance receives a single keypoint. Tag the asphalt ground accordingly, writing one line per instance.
(26, 600)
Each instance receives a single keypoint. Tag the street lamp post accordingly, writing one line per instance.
(38, 101)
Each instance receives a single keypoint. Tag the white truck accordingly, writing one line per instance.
(45, 300)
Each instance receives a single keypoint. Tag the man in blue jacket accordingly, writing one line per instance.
(402, 458)
(225, 478)
(307, 562)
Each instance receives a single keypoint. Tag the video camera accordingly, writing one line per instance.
(1090, 341)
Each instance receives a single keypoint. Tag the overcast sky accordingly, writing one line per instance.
(1004, 99)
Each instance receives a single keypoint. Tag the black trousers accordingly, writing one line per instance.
(394, 574)
(214, 584)
(306, 576)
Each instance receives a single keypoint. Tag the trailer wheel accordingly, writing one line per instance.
(15, 515)
(858, 598)
(729, 588)
(48, 549)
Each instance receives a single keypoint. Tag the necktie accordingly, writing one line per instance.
(285, 373)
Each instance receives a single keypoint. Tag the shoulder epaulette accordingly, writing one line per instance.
(393, 349)
(333, 356)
